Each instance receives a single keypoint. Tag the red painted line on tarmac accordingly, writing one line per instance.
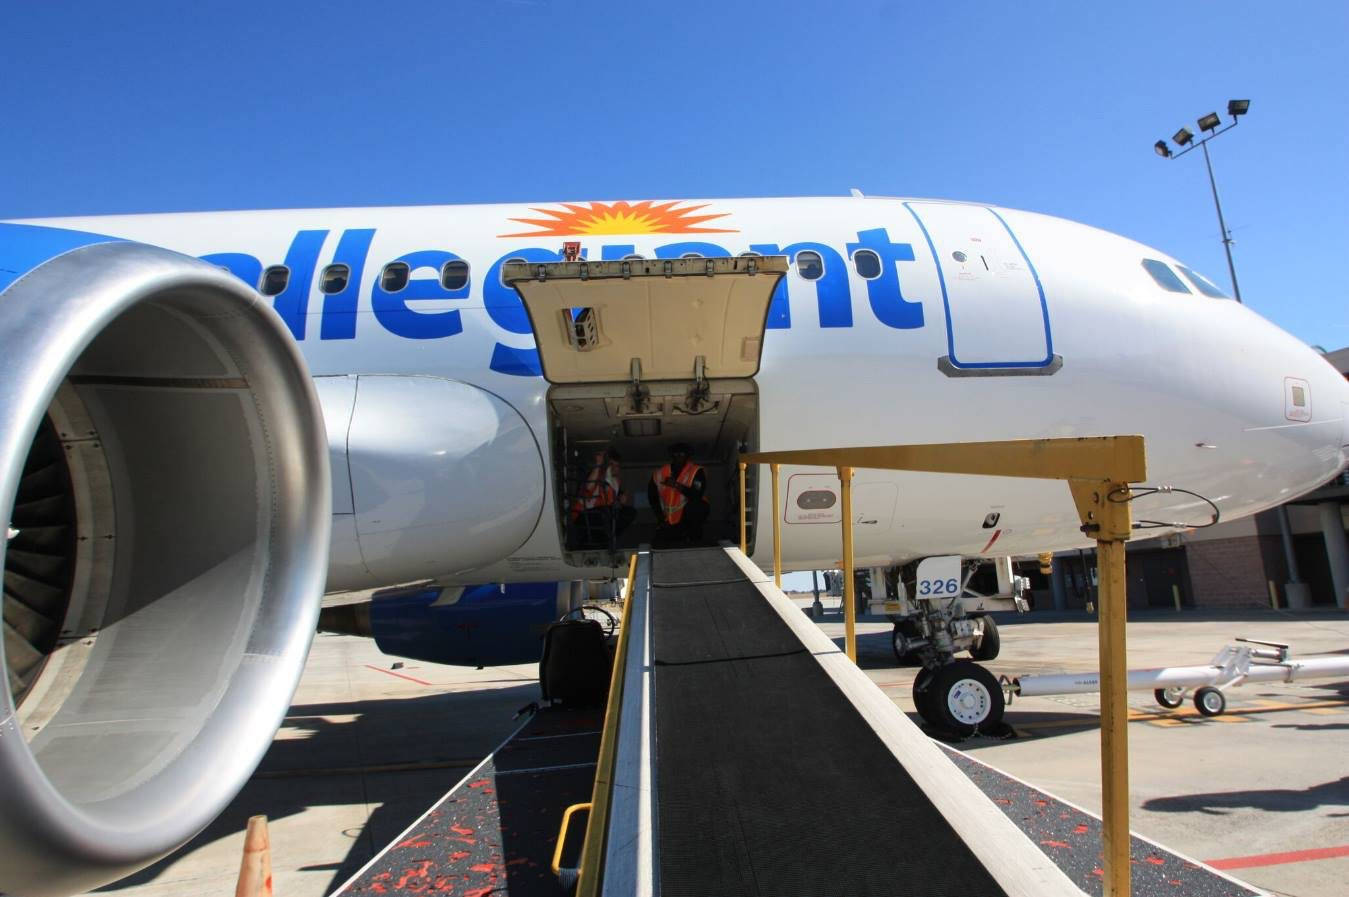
(399, 675)
(1277, 859)
(996, 533)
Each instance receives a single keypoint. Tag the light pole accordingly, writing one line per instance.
(1183, 137)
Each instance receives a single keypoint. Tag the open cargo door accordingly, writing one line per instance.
(603, 322)
(643, 354)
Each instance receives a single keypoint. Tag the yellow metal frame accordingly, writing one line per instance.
(590, 870)
(1098, 470)
(562, 834)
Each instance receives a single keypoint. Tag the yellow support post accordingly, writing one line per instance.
(1103, 507)
(744, 542)
(1114, 719)
(849, 604)
(777, 535)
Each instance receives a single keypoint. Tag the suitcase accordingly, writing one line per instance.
(576, 664)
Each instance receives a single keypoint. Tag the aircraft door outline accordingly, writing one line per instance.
(984, 273)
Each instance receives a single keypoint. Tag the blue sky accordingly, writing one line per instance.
(1054, 107)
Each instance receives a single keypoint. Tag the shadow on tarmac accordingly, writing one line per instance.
(1275, 800)
(395, 756)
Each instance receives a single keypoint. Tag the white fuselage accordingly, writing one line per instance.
(1046, 327)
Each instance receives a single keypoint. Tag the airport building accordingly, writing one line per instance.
(1294, 555)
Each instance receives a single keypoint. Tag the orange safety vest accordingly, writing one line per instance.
(672, 501)
(600, 490)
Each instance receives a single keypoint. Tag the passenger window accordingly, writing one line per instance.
(809, 265)
(395, 277)
(1202, 283)
(454, 275)
(334, 279)
(1164, 276)
(501, 272)
(274, 280)
(867, 263)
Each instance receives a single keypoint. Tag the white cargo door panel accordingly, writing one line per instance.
(593, 320)
(996, 311)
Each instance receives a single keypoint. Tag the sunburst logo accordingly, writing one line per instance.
(595, 218)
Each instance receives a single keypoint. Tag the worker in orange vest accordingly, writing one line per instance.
(677, 493)
(601, 502)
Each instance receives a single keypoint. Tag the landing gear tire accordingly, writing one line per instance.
(965, 698)
(1170, 698)
(901, 639)
(923, 695)
(1209, 701)
(989, 643)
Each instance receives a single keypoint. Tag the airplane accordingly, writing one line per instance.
(214, 418)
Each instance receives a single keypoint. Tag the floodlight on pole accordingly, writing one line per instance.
(1184, 138)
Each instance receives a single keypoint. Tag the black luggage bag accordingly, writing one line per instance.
(576, 664)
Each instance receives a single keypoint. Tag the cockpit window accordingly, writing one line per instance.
(1202, 283)
(1165, 277)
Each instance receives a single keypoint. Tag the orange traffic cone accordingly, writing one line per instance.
(255, 872)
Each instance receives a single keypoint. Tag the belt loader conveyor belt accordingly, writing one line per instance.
(754, 758)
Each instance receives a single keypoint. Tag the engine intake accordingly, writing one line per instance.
(164, 476)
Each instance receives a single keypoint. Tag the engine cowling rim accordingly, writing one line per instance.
(46, 329)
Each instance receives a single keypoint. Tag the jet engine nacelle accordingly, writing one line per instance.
(430, 477)
(165, 498)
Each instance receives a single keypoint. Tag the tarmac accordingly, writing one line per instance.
(371, 742)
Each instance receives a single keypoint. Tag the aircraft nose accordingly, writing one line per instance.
(1344, 418)
(1295, 403)
(1325, 391)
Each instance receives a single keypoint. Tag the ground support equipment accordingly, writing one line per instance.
(752, 757)
(1248, 661)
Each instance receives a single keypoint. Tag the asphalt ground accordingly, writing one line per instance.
(371, 742)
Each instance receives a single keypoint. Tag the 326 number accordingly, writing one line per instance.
(937, 588)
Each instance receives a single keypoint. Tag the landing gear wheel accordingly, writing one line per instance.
(989, 643)
(1209, 701)
(1170, 698)
(966, 698)
(901, 640)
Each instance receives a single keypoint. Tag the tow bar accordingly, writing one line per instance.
(1249, 661)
